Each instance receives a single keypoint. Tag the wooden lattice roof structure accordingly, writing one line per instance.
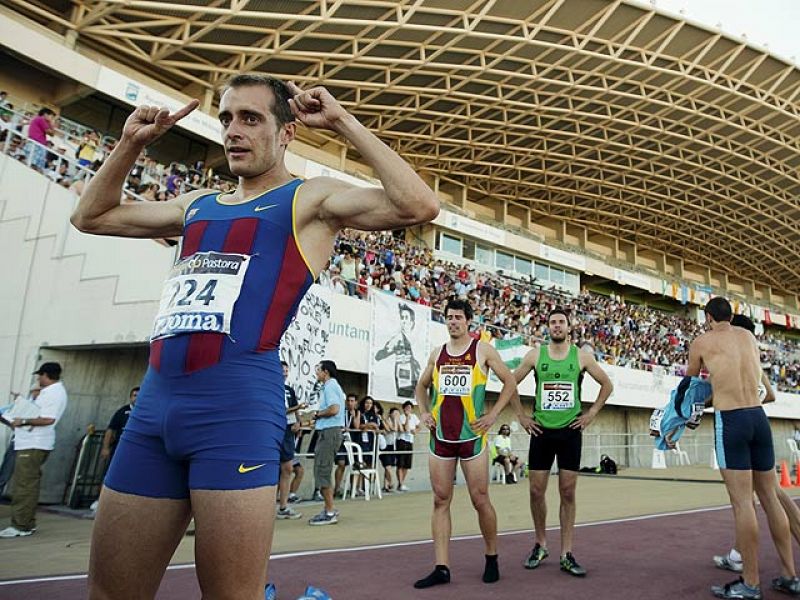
(604, 114)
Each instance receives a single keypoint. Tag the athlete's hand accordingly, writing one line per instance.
(583, 421)
(148, 123)
(316, 107)
(530, 425)
(484, 424)
(428, 421)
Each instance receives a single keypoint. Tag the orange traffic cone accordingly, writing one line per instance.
(797, 475)
(786, 482)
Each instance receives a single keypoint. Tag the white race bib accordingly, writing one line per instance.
(455, 380)
(558, 395)
(655, 419)
(199, 294)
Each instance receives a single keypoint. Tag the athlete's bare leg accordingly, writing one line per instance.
(567, 482)
(538, 488)
(740, 491)
(792, 512)
(764, 483)
(233, 539)
(133, 540)
(442, 473)
(476, 472)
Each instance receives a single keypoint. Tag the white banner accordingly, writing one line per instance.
(305, 342)
(398, 348)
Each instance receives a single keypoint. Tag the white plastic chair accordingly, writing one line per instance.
(793, 450)
(683, 456)
(355, 457)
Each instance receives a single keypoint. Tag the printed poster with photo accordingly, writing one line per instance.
(398, 347)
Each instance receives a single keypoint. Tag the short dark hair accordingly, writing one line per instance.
(719, 308)
(351, 395)
(284, 364)
(744, 322)
(133, 389)
(408, 403)
(558, 311)
(45, 111)
(458, 304)
(281, 93)
(406, 308)
(329, 367)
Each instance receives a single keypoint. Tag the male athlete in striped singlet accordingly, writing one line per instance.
(204, 437)
(451, 393)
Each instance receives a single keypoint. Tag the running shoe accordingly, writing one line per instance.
(270, 593)
(571, 566)
(788, 585)
(324, 518)
(13, 532)
(737, 590)
(538, 554)
(725, 562)
(293, 498)
(287, 513)
(402, 488)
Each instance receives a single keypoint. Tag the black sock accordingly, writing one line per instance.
(491, 572)
(440, 574)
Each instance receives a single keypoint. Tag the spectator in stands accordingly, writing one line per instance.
(41, 126)
(391, 425)
(116, 426)
(329, 422)
(87, 150)
(505, 456)
(3, 99)
(34, 439)
(409, 422)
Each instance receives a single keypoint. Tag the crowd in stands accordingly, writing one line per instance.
(74, 152)
(619, 332)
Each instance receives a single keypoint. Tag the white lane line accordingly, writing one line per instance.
(391, 545)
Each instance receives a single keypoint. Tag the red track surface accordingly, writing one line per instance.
(667, 557)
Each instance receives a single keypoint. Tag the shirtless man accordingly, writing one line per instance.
(455, 379)
(204, 438)
(743, 443)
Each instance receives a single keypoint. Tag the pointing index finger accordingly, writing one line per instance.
(294, 88)
(178, 115)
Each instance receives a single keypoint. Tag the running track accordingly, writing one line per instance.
(653, 557)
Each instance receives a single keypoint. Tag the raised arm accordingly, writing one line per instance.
(99, 210)
(405, 199)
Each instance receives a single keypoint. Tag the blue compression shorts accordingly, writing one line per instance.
(743, 440)
(220, 428)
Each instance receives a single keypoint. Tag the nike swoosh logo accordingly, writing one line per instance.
(243, 469)
(268, 206)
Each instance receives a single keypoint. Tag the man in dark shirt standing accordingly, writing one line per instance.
(115, 427)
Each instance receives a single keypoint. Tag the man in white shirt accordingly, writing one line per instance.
(405, 443)
(34, 438)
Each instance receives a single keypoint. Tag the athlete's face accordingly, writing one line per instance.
(254, 142)
(457, 324)
(559, 328)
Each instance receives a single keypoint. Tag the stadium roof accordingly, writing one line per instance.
(605, 114)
